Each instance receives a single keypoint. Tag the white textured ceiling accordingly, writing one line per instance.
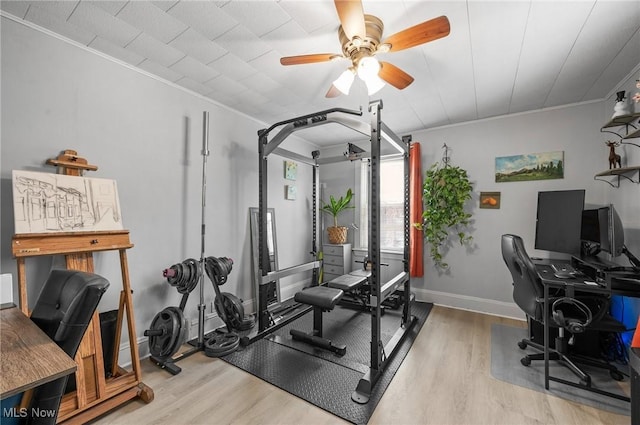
(501, 57)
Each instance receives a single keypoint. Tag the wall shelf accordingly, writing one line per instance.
(621, 120)
(625, 172)
(625, 121)
(632, 135)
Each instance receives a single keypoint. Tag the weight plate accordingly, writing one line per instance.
(233, 312)
(241, 322)
(218, 269)
(220, 344)
(185, 276)
(165, 344)
(184, 328)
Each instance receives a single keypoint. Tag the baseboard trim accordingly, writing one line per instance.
(465, 302)
(445, 299)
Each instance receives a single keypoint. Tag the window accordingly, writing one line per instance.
(391, 204)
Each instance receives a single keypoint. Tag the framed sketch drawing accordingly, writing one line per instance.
(49, 203)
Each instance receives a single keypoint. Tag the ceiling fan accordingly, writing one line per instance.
(361, 38)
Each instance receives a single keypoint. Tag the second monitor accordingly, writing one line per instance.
(558, 221)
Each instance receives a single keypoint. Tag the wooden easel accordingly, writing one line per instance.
(95, 394)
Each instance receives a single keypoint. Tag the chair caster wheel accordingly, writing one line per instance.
(616, 375)
(526, 361)
(522, 345)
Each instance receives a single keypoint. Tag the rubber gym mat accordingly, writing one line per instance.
(342, 326)
(324, 383)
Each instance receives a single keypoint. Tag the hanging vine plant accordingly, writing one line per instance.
(445, 191)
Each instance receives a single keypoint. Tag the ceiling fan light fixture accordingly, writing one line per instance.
(344, 81)
(374, 84)
(368, 69)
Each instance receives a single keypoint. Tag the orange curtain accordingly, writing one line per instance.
(636, 336)
(416, 244)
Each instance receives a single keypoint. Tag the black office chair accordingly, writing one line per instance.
(63, 311)
(575, 315)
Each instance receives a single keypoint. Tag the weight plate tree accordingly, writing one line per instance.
(169, 328)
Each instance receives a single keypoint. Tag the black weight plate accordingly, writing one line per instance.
(167, 321)
(233, 312)
(220, 344)
(184, 328)
(236, 302)
(241, 323)
(233, 308)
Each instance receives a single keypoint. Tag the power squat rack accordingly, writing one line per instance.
(380, 291)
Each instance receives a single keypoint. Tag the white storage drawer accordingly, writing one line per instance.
(328, 249)
(336, 260)
(337, 270)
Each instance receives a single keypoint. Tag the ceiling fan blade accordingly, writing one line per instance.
(333, 92)
(394, 75)
(302, 59)
(351, 16)
(427, 31)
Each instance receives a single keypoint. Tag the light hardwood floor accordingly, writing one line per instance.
(445, 379)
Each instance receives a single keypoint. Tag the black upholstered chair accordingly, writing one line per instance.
(571, 315)
(63, 311)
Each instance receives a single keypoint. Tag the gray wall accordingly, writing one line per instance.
(477, 278)
(479, 273)
(147, 135)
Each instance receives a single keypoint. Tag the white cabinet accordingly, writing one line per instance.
(336, 260)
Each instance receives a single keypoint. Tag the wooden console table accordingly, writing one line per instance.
(23, 342)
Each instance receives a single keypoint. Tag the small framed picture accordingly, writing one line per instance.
(290, 192)
(290, 170)
(490, 200)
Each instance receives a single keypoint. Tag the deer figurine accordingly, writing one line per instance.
(614, 158)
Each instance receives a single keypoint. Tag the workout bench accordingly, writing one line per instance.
(322, 299)
(352, 285)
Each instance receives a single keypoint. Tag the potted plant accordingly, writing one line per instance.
(445, 191)
(337, 234)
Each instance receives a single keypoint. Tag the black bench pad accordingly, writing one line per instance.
(319, 296)
(360, 272)
(347, 282)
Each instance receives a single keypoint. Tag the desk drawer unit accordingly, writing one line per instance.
(336, 260)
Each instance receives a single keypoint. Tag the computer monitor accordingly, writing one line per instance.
(558, 221)
(603, 227)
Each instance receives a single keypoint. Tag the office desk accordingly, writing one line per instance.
(570, 287)
(28, 357)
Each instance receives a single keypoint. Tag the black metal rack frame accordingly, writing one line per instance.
(378, 132)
